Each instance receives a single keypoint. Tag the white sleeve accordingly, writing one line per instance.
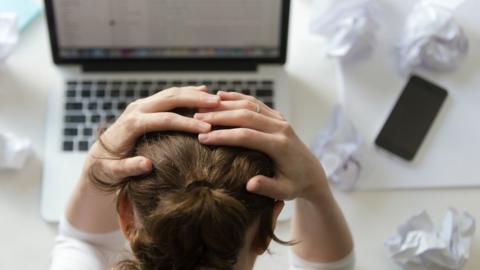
(77, 250)
(297, 263)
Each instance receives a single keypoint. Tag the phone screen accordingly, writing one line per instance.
(411, 118)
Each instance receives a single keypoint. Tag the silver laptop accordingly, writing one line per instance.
(112, 52)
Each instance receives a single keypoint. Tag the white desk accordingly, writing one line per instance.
(449, 154)
(24, 82)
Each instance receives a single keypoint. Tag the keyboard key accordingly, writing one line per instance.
(267, 82)
(264, 92)
(121, 106)
(130, 93)
(132, 83)
(144, 93)
(192, 83)
(222, 82)
(71, 93)
(115, 93)
(107, 106)
(115, 88)
(70, 132)
(102, 83)
(73, 106)
(100, 93)
(87, 83)
(71, 87)
(177, 83)
(252, 82)
(86, 93)
(237, 82)
(110, 118)
(246, 92)
(95, 118)
(72, 83)
(269, 104)
(67, 146)
(92, 106)
(83, 146)
(147, 83)
(87, 132)
(75, 119)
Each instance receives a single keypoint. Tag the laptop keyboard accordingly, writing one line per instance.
(91, 104)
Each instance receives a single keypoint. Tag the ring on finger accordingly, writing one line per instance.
(259, 109)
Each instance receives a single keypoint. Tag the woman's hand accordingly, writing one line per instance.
(299, 173)
(93, 211)
(143, 116)
(317, 223)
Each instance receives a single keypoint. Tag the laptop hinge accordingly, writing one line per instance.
(169, 67)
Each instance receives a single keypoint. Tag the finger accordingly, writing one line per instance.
(241, 118)
(124, 133)
(185, 97)
(269, 187)
(170, 121)
(242, 137)
(235, 96)
(119, 169)
(239, 104)
(229, 96)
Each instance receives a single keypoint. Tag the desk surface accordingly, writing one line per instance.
(25, 80)
(449, 155)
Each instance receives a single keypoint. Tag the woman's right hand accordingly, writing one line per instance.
(299, 173)
(140, 117)
(93, 211)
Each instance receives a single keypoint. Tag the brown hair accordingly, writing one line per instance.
(194, 208)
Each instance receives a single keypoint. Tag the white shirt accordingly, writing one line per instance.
(77, 250)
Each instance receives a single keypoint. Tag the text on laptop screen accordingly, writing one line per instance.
(106, 29)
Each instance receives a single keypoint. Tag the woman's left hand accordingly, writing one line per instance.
(258, 127)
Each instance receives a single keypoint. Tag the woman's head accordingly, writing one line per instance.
(193, 210)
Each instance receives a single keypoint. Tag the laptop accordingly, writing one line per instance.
(112, 52)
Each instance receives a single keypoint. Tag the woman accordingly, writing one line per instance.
(184, 204)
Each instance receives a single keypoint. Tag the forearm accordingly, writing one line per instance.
(90, 209)
(320, 227)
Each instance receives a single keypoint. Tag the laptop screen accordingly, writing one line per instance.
(168, 29)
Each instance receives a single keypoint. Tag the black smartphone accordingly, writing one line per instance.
(411, 117)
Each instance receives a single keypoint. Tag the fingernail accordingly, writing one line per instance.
(251, 186)
(202, 137)
(145, 164)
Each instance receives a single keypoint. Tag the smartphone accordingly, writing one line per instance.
(411, 118)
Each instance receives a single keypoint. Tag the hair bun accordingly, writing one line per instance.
(198, 184)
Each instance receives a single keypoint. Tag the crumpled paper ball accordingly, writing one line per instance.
(14, 151)
(419, 245)
(349, 25)
(335, 147)
(432, 38)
